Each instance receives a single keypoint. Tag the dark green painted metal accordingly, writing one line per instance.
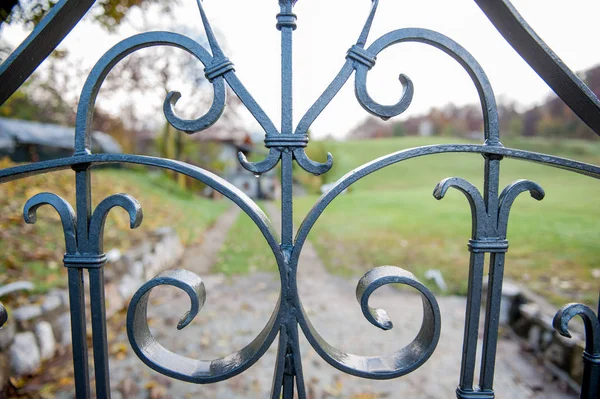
(490, 211)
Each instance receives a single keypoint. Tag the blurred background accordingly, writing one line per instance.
(390, 217)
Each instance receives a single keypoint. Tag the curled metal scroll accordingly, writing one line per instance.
(590, 386)
(398, 363)
(471, 193)
(481, 215)
(362, 60)
(316, 168)
(94, 242)
(217, 69)
(462, 56)
(508, 196)
(151, 352)
(65, 211)
(94, 81)
(263, 166)
(590, 319)
(340, 79)
(272, 159)
(125, 201)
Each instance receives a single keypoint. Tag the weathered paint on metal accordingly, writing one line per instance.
(83, 227)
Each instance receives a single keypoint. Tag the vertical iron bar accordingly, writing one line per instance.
(287, 223)
(286, 67)
(490, 189)
(83, 201)
(590, 387)
(288, 386)
(492, 316)
(471, 334)
(100, 341)
(494, 296)
(279, 364)
(78, 333)
(84, 212)
(286, 24)
(297, 363)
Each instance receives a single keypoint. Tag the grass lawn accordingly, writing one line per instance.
(391, 217)
(245, 250)
(34, 252)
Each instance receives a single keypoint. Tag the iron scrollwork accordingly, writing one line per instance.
(84, 229)
(181, 367)
(590, 387)
(84, 251)
(400, 362)
(489, 215)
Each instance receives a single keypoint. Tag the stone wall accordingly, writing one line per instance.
(38, 331)
(529, 317)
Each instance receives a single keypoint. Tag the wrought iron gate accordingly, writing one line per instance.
(83, 227)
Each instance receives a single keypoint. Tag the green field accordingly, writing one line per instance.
(245, 250)
(391, 217)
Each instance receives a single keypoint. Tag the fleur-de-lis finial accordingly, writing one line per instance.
(287, 5)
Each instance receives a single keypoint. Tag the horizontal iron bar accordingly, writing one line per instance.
(32, 169)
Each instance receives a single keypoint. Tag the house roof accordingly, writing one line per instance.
(16, 131)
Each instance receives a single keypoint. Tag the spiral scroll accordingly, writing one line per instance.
(64, 209)
(151, 352)
(590, 387)
(400, 362)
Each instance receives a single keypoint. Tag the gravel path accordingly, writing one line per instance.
(237, 308)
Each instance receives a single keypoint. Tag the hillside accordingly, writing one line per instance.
(552, 118)
(392, 218)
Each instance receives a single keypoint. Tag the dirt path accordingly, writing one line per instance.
(200, 258)
(236, 310)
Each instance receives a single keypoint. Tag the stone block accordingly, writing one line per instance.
(62, 329)
(576, 366)
(114, 301)
(558, 354)
(529, 310)
(534, 337)
(25, 356)
(26, 313)
(136, 269)
(52, 302)
(7, 334)
(25, 316)
(45, 337)
(128, 286)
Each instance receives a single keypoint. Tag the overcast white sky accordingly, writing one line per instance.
(327, 28)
